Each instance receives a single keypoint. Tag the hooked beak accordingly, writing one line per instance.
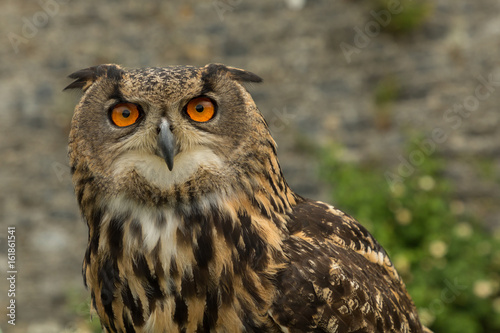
(166, 143)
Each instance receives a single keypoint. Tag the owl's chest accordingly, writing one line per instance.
(152, 273)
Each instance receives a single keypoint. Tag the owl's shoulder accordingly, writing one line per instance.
(339, 279)
(327, 226)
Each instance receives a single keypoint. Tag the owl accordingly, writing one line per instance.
(192, 226)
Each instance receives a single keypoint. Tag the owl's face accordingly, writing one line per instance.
(163, 127)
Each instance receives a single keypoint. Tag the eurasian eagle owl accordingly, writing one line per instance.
(192, 227)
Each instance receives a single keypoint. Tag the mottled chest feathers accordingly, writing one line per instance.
(160, 270)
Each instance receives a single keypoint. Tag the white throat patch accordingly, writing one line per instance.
(154, 169)
(152, 231)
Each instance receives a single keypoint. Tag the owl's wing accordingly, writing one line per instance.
(339, 279)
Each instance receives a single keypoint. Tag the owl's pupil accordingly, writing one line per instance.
(126, 113)
(199, 108)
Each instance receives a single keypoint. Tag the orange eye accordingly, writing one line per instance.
(200, 109)
(125, 114)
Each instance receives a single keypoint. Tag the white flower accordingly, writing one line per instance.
(463, 230)
(403, 216)
(438, 248)
(483, 288)
(426, 316)
(398, 190)
(426, 183)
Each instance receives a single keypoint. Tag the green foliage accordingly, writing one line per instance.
(450, 264)
(87, 321)
(409, 16)
(385, 93)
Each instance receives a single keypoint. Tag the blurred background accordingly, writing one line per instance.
(387, 109)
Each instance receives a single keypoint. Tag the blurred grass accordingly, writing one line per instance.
(408, 15)
(88, 321)
(449, 262)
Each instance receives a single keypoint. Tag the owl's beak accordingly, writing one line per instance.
(166, 143)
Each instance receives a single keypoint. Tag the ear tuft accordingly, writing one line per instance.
(243, 75)
(85, 77)
(237, 74)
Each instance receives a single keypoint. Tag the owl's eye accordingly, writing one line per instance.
(125, 114)
(200, 109)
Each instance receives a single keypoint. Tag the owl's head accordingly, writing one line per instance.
(168, 134)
